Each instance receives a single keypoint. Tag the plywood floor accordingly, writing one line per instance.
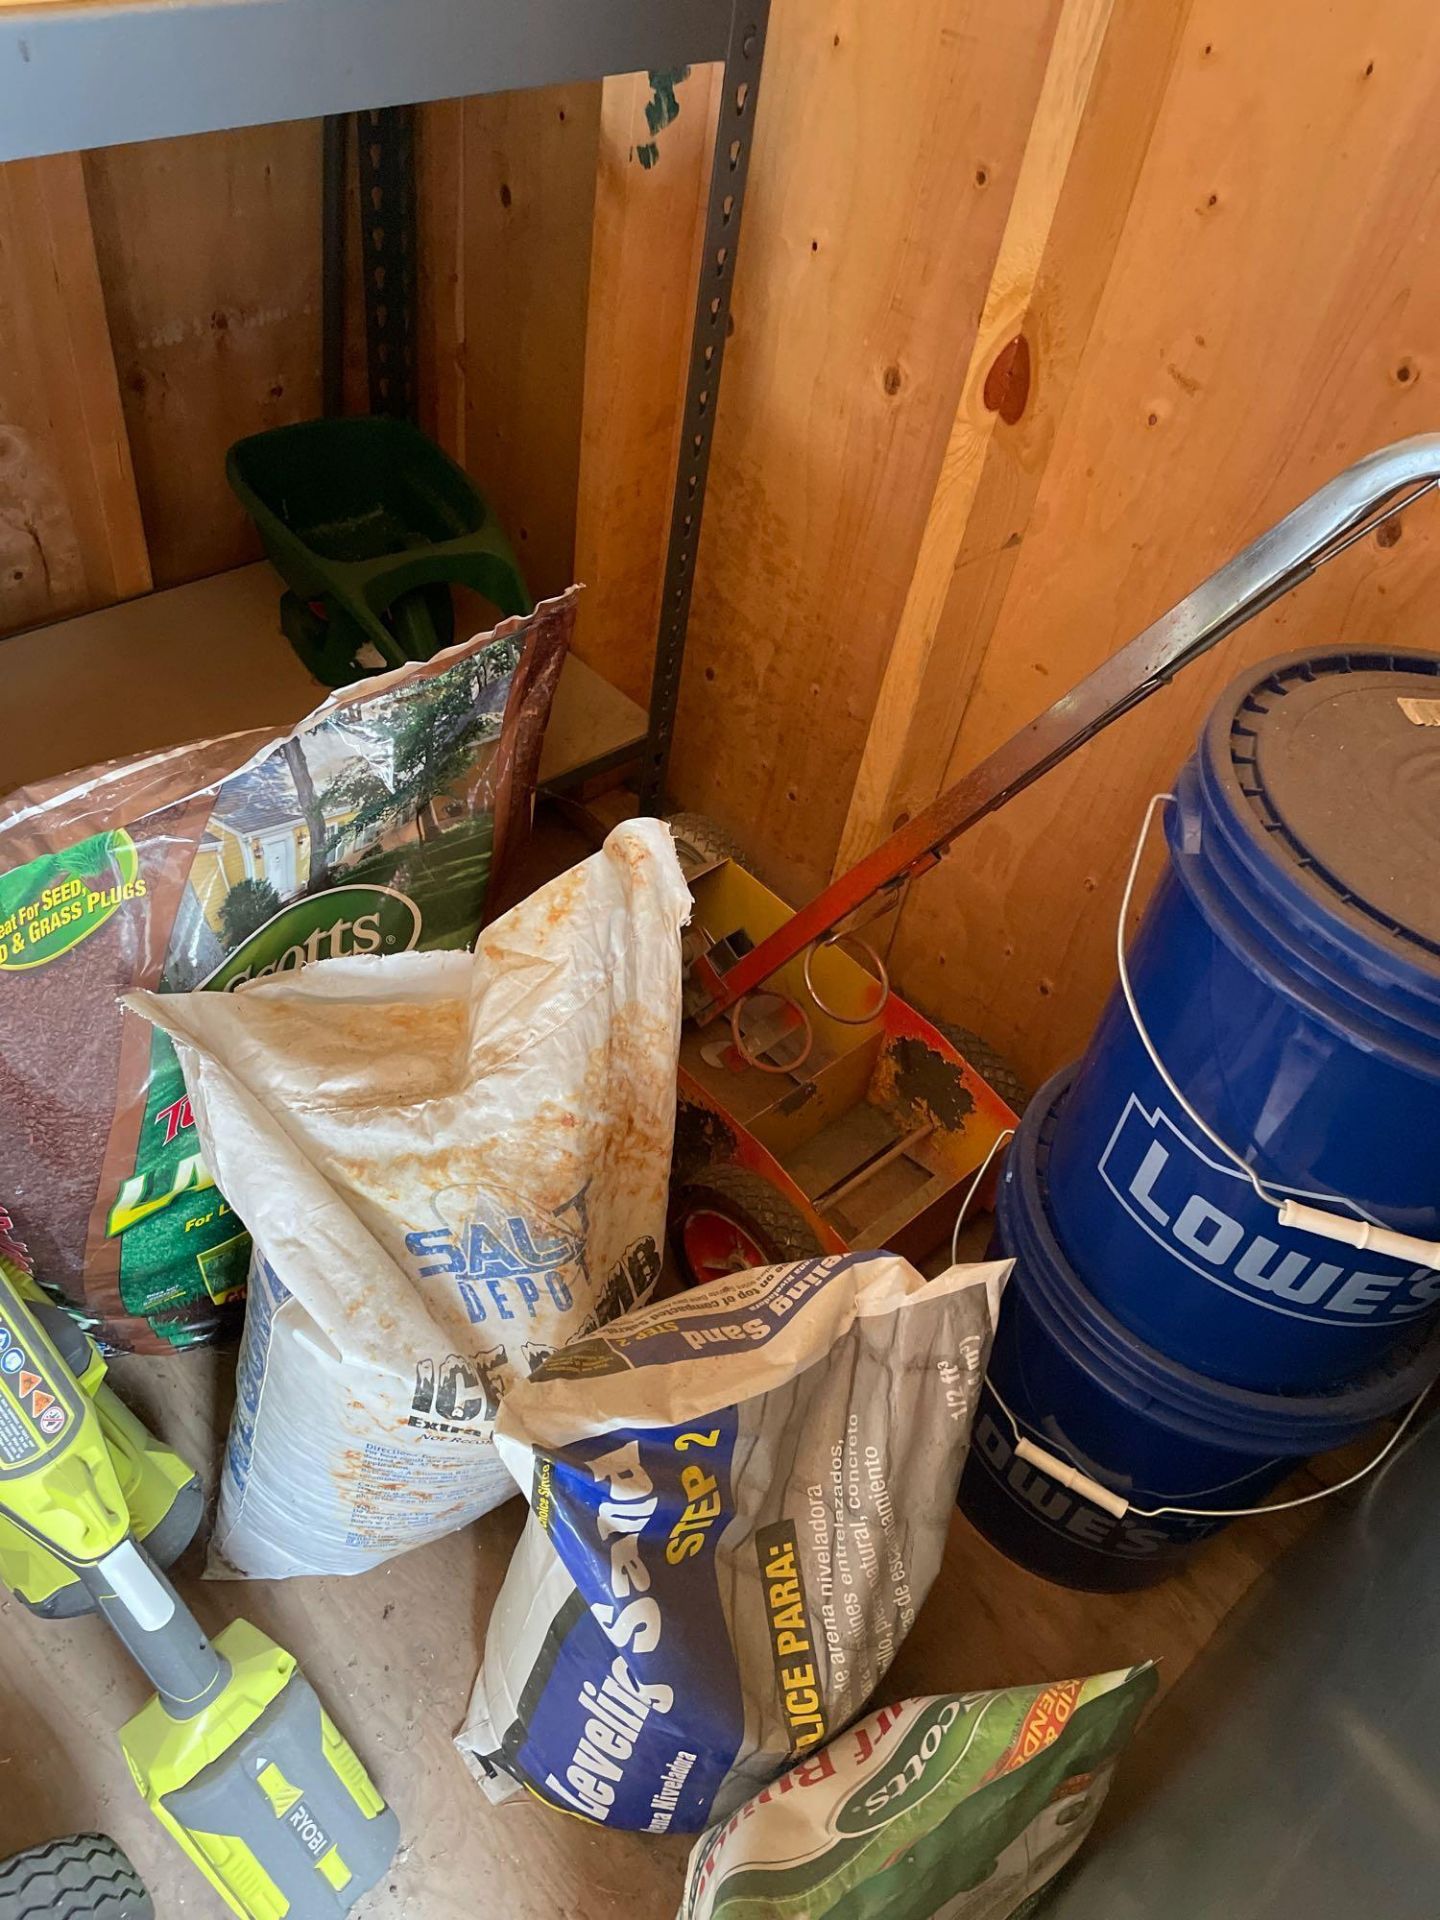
(393, 1654)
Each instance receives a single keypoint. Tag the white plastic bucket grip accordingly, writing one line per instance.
(1118, 1506)
(1071, 1477)
(1368, 1235)
(1365, 1234)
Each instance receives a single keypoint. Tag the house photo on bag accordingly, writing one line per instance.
(373, 826)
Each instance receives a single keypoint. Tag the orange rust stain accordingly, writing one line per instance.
(558, 900)
(346, 1056)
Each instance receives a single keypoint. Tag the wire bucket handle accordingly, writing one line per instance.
(1368, 1235)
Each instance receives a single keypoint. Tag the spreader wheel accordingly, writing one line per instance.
(727, 1219)
(702, 842)
(991, 1065)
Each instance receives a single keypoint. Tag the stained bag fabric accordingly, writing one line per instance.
(450, 1164)
(374, 825)
(960, 1806)
(738, 1501)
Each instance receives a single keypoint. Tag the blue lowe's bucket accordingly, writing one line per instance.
(1288, 972)
(1081, 1386)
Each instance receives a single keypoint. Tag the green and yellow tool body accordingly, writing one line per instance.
(234, 1754)
(163, 1497)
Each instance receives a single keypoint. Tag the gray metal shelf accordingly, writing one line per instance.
(91, 74)
(86, 73)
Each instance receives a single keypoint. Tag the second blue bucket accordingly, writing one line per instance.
(1066, 1375)
(1288, 973)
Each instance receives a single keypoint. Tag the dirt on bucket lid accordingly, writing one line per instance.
(1338, 755)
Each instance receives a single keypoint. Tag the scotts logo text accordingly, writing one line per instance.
(342, 920)
(904, 1779)
(1202, 1214)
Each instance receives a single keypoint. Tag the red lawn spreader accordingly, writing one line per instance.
(818, 1111)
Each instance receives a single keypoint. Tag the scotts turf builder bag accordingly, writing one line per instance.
(451, 1163)
(371, 827)
(962, 1806)
(738, 1501)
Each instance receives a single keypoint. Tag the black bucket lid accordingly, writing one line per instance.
(1337, 756)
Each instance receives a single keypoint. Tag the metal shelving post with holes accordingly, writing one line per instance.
(89, 73)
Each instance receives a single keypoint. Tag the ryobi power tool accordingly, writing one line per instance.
(234, 1754)
(163, 1497)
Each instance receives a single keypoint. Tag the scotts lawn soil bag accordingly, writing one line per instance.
(371, 827)
(14, 1254)
(451, 1163)
(738, 1501)
(962, 1806)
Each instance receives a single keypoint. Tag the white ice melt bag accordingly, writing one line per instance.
(451, 1163)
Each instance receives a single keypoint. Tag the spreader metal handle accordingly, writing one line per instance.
(1343, 511)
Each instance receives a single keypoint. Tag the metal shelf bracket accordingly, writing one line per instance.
(734, 139)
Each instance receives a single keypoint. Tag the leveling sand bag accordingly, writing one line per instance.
(738, 1501)
(450, 1163)
(962, 1806)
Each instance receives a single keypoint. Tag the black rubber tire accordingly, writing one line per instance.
(83, 1877)
(705, 840)
(991, 1065)
(778, 1228)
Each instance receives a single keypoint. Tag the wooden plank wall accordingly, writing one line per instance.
(1043, 309)
(156, 302)
(888, 142)
(160, 300)
(1271, 311)
(210, 262)
(70, 528)
(507, 207)
(649, 221)
(1207, 285)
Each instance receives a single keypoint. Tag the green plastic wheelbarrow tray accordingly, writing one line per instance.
(369, 523)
